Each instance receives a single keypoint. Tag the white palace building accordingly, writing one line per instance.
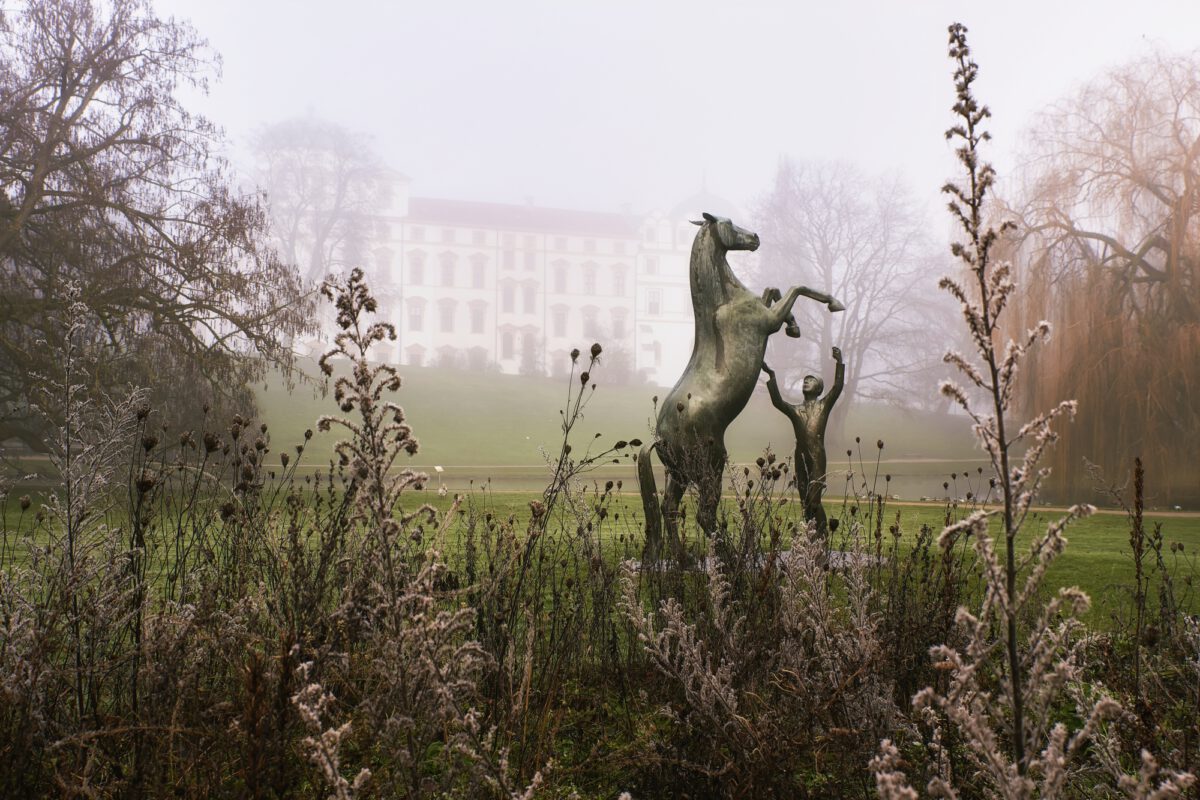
(517, 287)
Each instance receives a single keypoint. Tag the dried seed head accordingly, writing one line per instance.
(25, 502)
(596, 350)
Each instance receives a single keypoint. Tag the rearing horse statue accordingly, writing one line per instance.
(732, 327)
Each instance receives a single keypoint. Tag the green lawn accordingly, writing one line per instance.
(1097, 557)
(487, 426)
(486, 429)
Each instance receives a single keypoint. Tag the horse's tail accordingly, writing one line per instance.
(650, 507)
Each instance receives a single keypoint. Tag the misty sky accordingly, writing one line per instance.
(596, 104)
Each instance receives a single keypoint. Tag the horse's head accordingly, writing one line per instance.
(729, 235)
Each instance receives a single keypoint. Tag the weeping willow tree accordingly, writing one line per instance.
(1110, 244)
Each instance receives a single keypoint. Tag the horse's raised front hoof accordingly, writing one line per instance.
(792, 330)
(835, 305)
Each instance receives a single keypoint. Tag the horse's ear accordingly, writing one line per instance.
(696, 221)
(709, 217)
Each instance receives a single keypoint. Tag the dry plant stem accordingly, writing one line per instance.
(977, 258)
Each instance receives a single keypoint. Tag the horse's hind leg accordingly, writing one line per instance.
(710, 493)
(672, 495)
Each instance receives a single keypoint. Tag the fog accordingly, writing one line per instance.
(595, 105)
(647, 110)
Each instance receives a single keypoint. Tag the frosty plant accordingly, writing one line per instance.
(379, 435)
(1004, 687)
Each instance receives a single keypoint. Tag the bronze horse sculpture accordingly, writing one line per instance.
(732, 325)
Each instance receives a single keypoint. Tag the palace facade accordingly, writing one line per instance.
(481, 286)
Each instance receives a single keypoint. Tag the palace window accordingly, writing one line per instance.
(619, 317)
(654, 302)
(416, 268)
(619, 280)
(416, 314)
(446, 316)
(478, 267)
(590, 327)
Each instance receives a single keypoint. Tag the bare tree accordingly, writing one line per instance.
(861, 239)
(1110, 211)
(323, 185)
(110, 185)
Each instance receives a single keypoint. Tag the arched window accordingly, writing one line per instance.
(415, 355)
(448, 260)
(589, 278)
(416, 313)
(619, 318)
(416, 268)
(560, 276)
(619, 280)
(558, 320)
(446, 316)
(591, 328)
(478, 270)
(478, 316)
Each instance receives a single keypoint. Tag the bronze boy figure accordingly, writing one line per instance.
(808, 421)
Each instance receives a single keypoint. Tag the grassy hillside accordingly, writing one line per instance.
(481, 425)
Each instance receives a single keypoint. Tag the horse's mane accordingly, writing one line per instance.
(705, 272)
